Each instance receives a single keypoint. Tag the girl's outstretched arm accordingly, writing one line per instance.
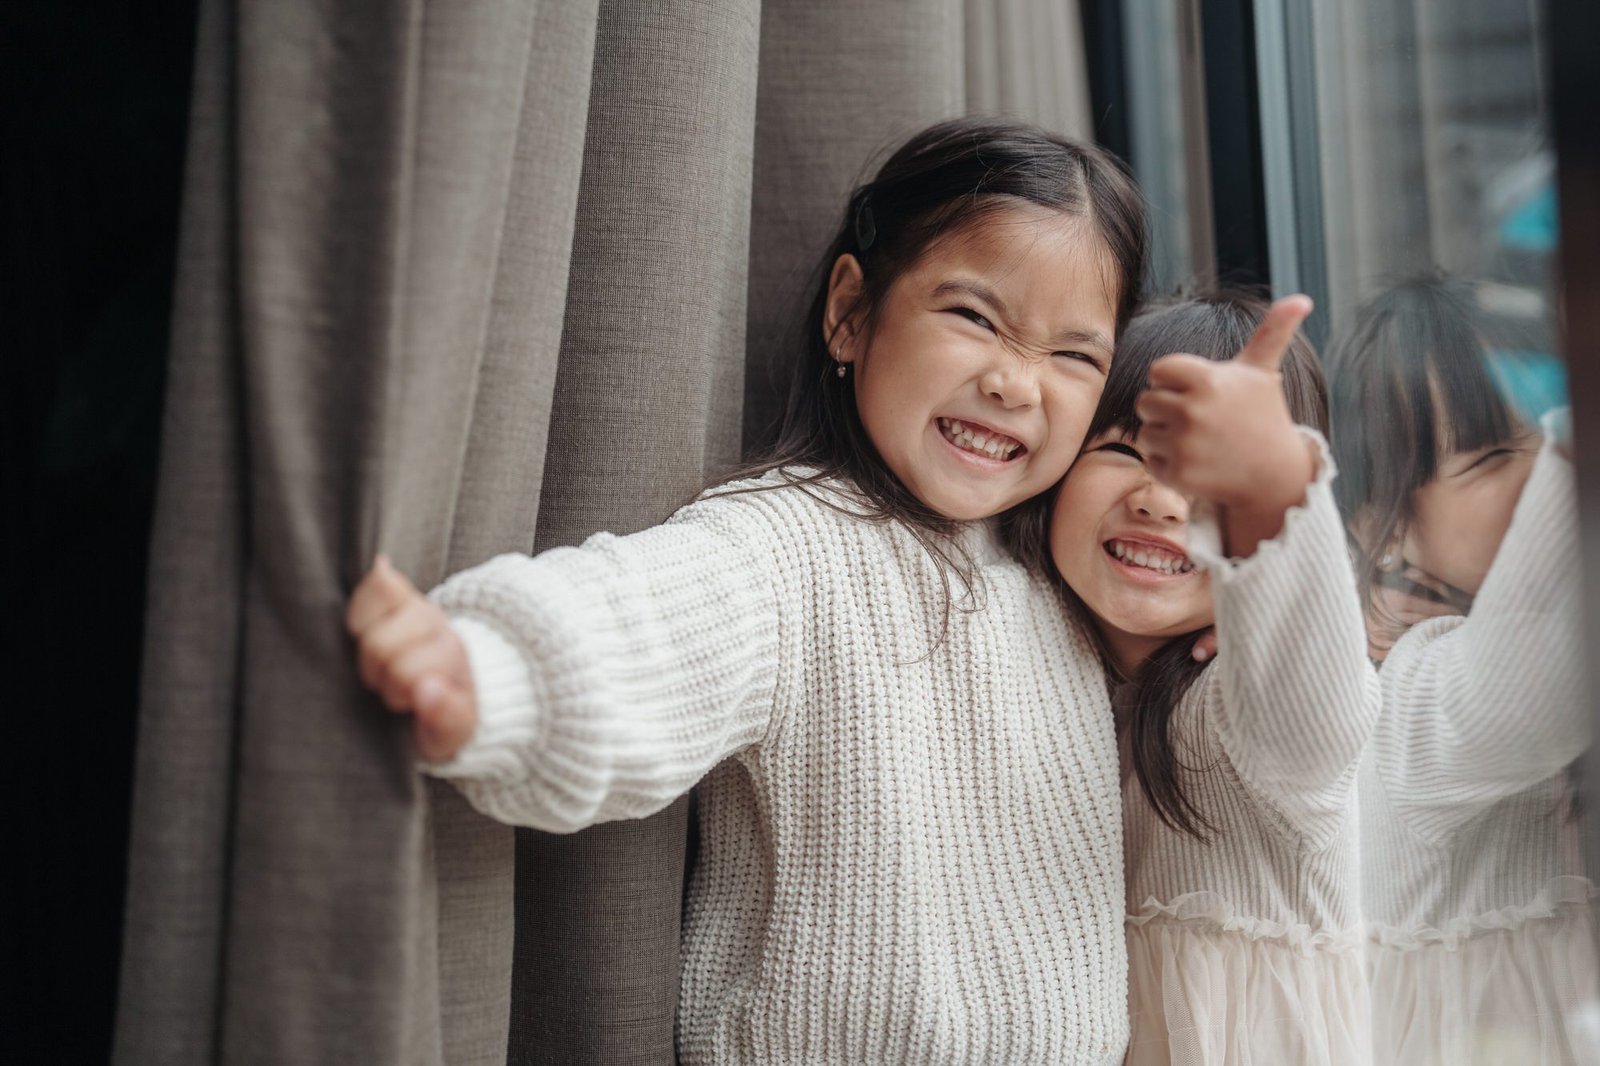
(1482, 707)
(599, 682)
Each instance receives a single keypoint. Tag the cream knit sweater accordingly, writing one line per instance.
(910, 827)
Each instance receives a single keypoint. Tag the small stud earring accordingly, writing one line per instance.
(1385, 561)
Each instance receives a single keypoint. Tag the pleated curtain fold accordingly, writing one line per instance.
(458, 279)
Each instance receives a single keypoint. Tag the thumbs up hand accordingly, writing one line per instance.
(1222, 432)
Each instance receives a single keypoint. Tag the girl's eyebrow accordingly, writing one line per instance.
(967, 286)
(971, 288)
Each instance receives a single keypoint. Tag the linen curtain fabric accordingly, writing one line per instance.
(458, 279)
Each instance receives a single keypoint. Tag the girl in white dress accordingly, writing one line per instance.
(1238, 823)
(1481, 942)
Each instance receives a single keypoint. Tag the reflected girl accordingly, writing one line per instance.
(1480, 947)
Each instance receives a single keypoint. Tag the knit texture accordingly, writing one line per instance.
(1465, 813)
(910, 843)
(1253, 937)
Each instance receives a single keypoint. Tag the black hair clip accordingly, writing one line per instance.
(866, 226)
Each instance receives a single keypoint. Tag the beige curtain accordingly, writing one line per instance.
(458, 279)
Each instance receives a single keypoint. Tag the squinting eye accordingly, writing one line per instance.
(1486, 456)
(1121, 449)
(1083, 357)
(972, 316)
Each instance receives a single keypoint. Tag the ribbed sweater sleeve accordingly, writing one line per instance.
(1292, 696)
(1482, 707)
(612, 676)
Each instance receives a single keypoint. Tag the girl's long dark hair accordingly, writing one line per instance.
(1415, 358)
(1215, 325)
(946, 177)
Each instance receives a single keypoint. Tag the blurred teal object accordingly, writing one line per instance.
(1532, 225)
(1534, 382)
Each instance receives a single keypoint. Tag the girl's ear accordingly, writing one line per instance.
(841, 315)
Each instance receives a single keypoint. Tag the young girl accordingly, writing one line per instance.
(1242, 921)
(910, 849)
(1481, 943)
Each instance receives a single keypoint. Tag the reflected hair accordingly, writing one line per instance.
(1215, 325)
(951, 175)
(1411, 385)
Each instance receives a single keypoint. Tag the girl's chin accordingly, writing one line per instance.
(1155, 628)
(960, 505)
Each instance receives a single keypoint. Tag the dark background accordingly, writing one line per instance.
(95, 100)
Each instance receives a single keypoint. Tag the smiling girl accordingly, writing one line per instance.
(1242, 908)
(910, 846)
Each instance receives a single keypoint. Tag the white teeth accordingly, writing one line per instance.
(994, 447)
(1156, 559)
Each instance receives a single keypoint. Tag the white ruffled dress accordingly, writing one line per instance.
(1481, 943)
(1248, 949)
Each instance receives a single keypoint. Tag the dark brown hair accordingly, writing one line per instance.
(1215, 325)
(948, 176)
(1415, 357)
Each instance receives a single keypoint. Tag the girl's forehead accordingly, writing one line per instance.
(1009, 243)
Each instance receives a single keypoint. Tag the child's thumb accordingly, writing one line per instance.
(1272, 338)
(445, 716)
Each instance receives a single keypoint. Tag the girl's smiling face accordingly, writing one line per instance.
(982, 365)
(1117, 537)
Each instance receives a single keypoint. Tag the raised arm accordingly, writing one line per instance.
(1291, 695)
(1479, 708)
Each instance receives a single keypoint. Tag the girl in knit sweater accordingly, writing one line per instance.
(1238, 816)
(910, 849)
(1481, 943)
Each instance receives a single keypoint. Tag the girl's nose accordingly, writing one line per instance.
(1013, 382)
(1157, 502)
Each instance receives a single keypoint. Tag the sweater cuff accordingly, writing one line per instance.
(1204, 546)
(1556, 425)
(508, 715)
